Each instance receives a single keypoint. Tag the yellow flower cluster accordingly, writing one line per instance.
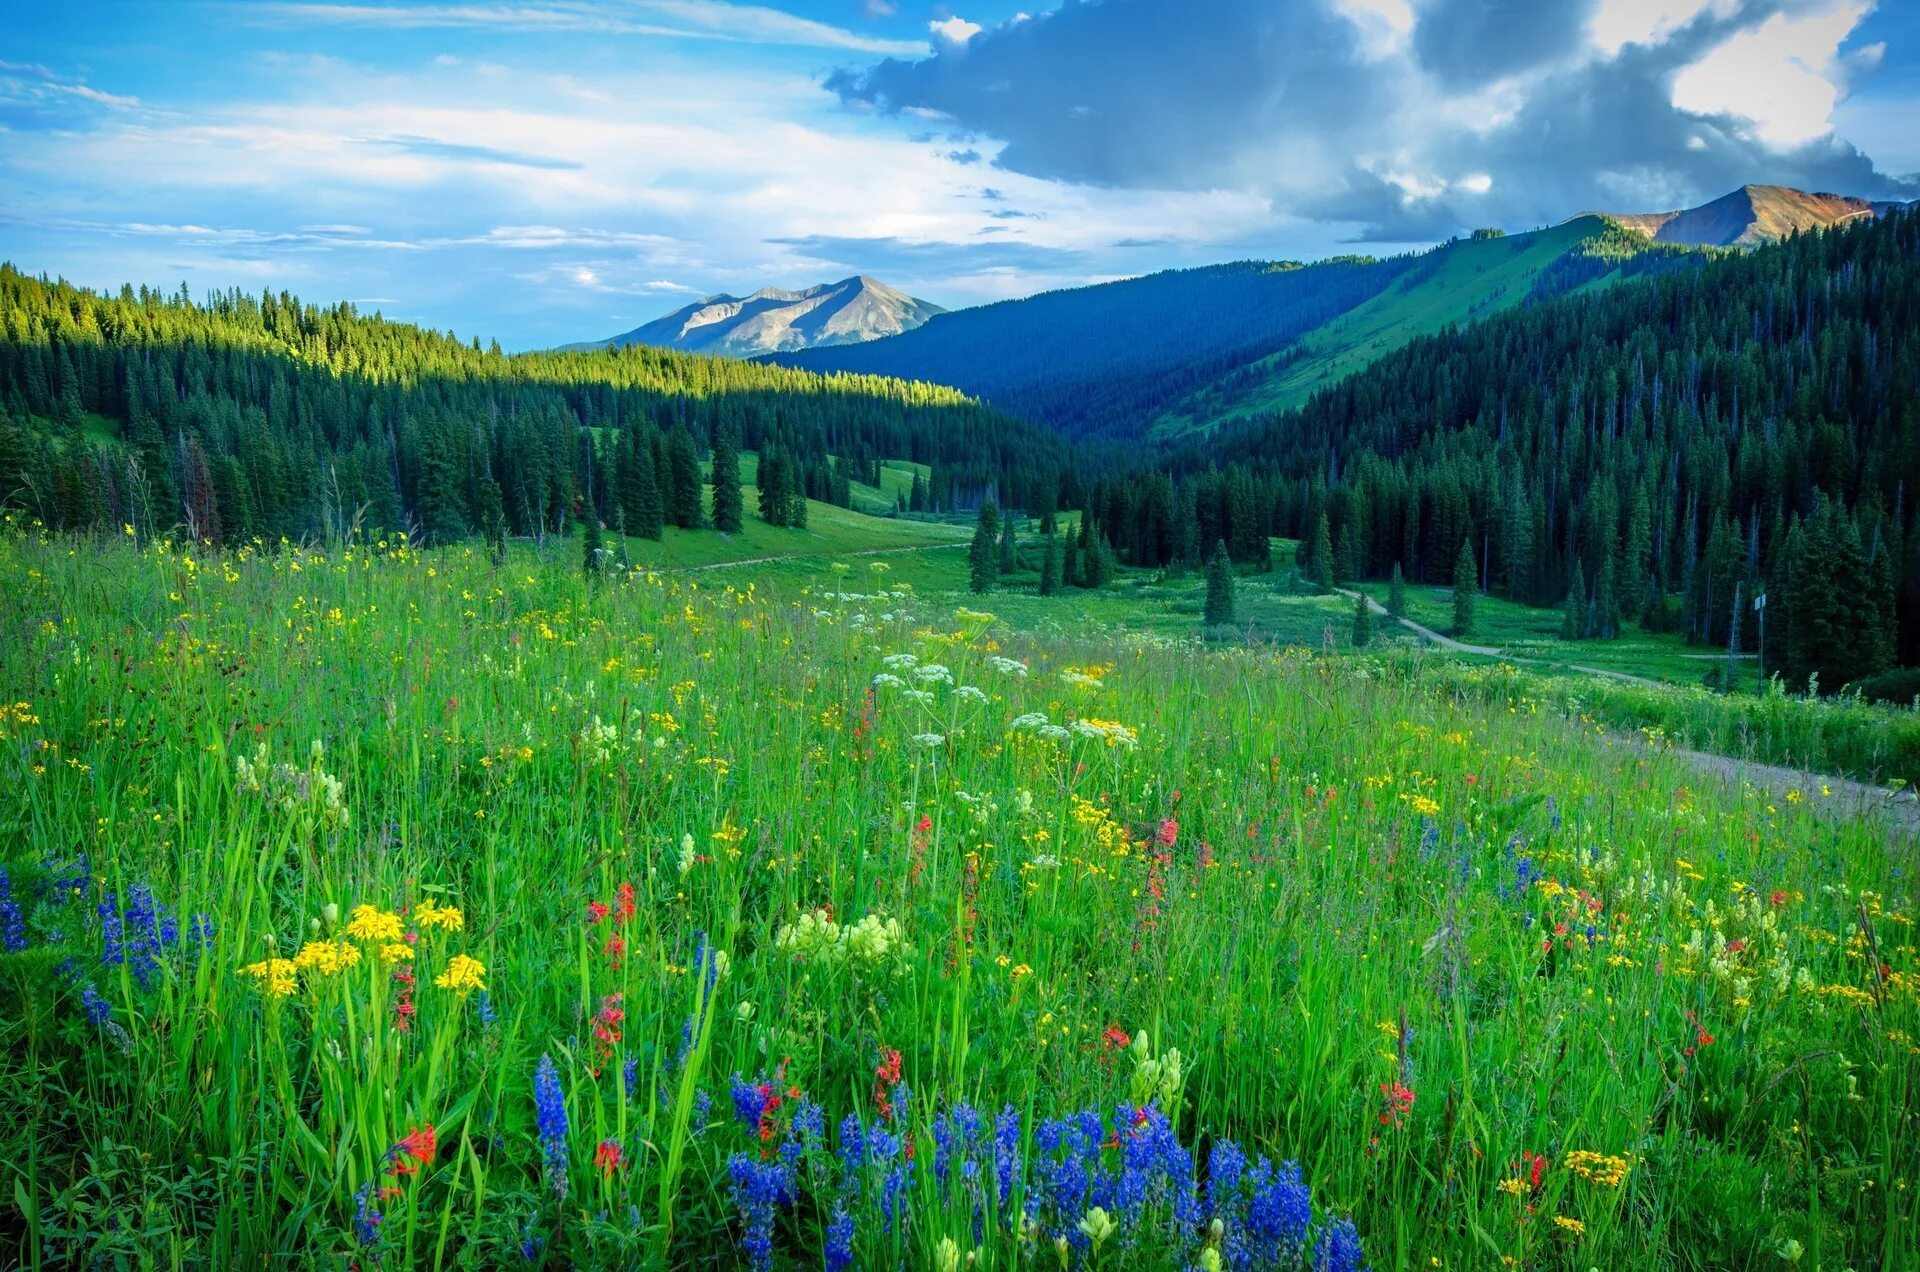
(428, 916)
(276, 976)
(462, 974)
(372, 924)
(1598, 1168)
(328, 958)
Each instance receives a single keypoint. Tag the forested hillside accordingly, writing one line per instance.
(247, 416)
(1184, 350)
(1664, 448)
(1106, 360)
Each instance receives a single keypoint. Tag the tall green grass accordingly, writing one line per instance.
(1411, 941)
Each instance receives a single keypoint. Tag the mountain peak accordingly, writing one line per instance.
(775, 320)
(1753, 214)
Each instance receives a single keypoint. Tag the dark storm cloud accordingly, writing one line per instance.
(1487, 113)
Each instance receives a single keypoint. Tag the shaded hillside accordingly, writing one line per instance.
(1106, 360)
(267, 417)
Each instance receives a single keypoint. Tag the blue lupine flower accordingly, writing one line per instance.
(200, 931)
(630, 1077)
(838, 1253)
(749, 1101)
(1279, 1212)
(550, 1102)
(483, 1005)
(702, 1109)
(100, 1012)
(853, 1148)
(366, 1220)
(1006, 1150)
(531, 1243)
(1339, 1248)
(13, 928)
(759, 1189)
(809, 1122)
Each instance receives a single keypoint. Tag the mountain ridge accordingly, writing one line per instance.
(777, 320)
(1753, 214)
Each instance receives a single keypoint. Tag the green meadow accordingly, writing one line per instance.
(372, 907)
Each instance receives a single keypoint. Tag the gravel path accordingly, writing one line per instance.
(1850, 798)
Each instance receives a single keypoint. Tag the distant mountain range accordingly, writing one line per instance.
(1751, 215)
(1182, 350)
(776, 321)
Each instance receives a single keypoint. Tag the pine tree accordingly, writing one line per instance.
(1362, 620)
(1466, 582)
(1320, 555)
(591, 543)
(1050, 567)
(726, 481)
(1573, 611)
(982, 568)
(1397, 593)
(1606, 602)
(1009, 554)
(684, 488)
(1220, 587)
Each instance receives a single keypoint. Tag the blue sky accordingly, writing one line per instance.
(549, 170)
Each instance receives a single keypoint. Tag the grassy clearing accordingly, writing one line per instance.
(788, 947)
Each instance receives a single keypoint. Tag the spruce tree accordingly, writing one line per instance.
(1050, 566)
(1320, 555)
(726, 481)
(1606, 602)
(1573, 610)
(1220, 599)
(1397, 593)
(982, 568)
(1362, 620)
(1466, 582)
(1009, 555)
(684, 490)
(591, 543)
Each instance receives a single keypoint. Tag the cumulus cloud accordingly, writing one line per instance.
(1411, 120)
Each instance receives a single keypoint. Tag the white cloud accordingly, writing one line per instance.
(954, 31)
(1783, 75)
(1384, 25)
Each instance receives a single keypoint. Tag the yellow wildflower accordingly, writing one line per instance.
(371, 924)
(329, 958)
(429, 915)
(396, 952)
(462, 974)
(276, 976)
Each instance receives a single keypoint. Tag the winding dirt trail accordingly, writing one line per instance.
(1849, 798)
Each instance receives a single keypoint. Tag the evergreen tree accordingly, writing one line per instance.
(1466, 583)
(1220, 587)
(726, 481)
(1362, 620)
(1573, 610)
(1009, 554)
(591, 543)
(1606, 602)
(982, 568)
(1050, 566)
(683, 464)
(1397, 593)
(1320, 555)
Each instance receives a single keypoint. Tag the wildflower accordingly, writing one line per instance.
(1397, 1104)
(596, 911)
(759, 1189)
(608, 1158)
(328, 958)
(946, 1256)
(276, 976)
(100, 1012)
(1097, 1226)
(483, 1006)
(366, 1220)
(13, 932)
(375, 926)
(931, 741)
(1339, 1248)
(428, 915)
(1569, 1225)
(550, 1104)
(463, 974)
(397, 952)
(420, 1144)
(838, 1251)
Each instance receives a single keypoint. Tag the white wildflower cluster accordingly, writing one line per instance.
(970, 693)
(1008, 666)
(687, 856)
(1036, 723)
(598, 740)
(981, 807)
(900, 662)
(1108, 731)
(311, 790)
(932, 674)
(815, 937)
(931, 741)
(1156, 1079)
(1080, 679)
